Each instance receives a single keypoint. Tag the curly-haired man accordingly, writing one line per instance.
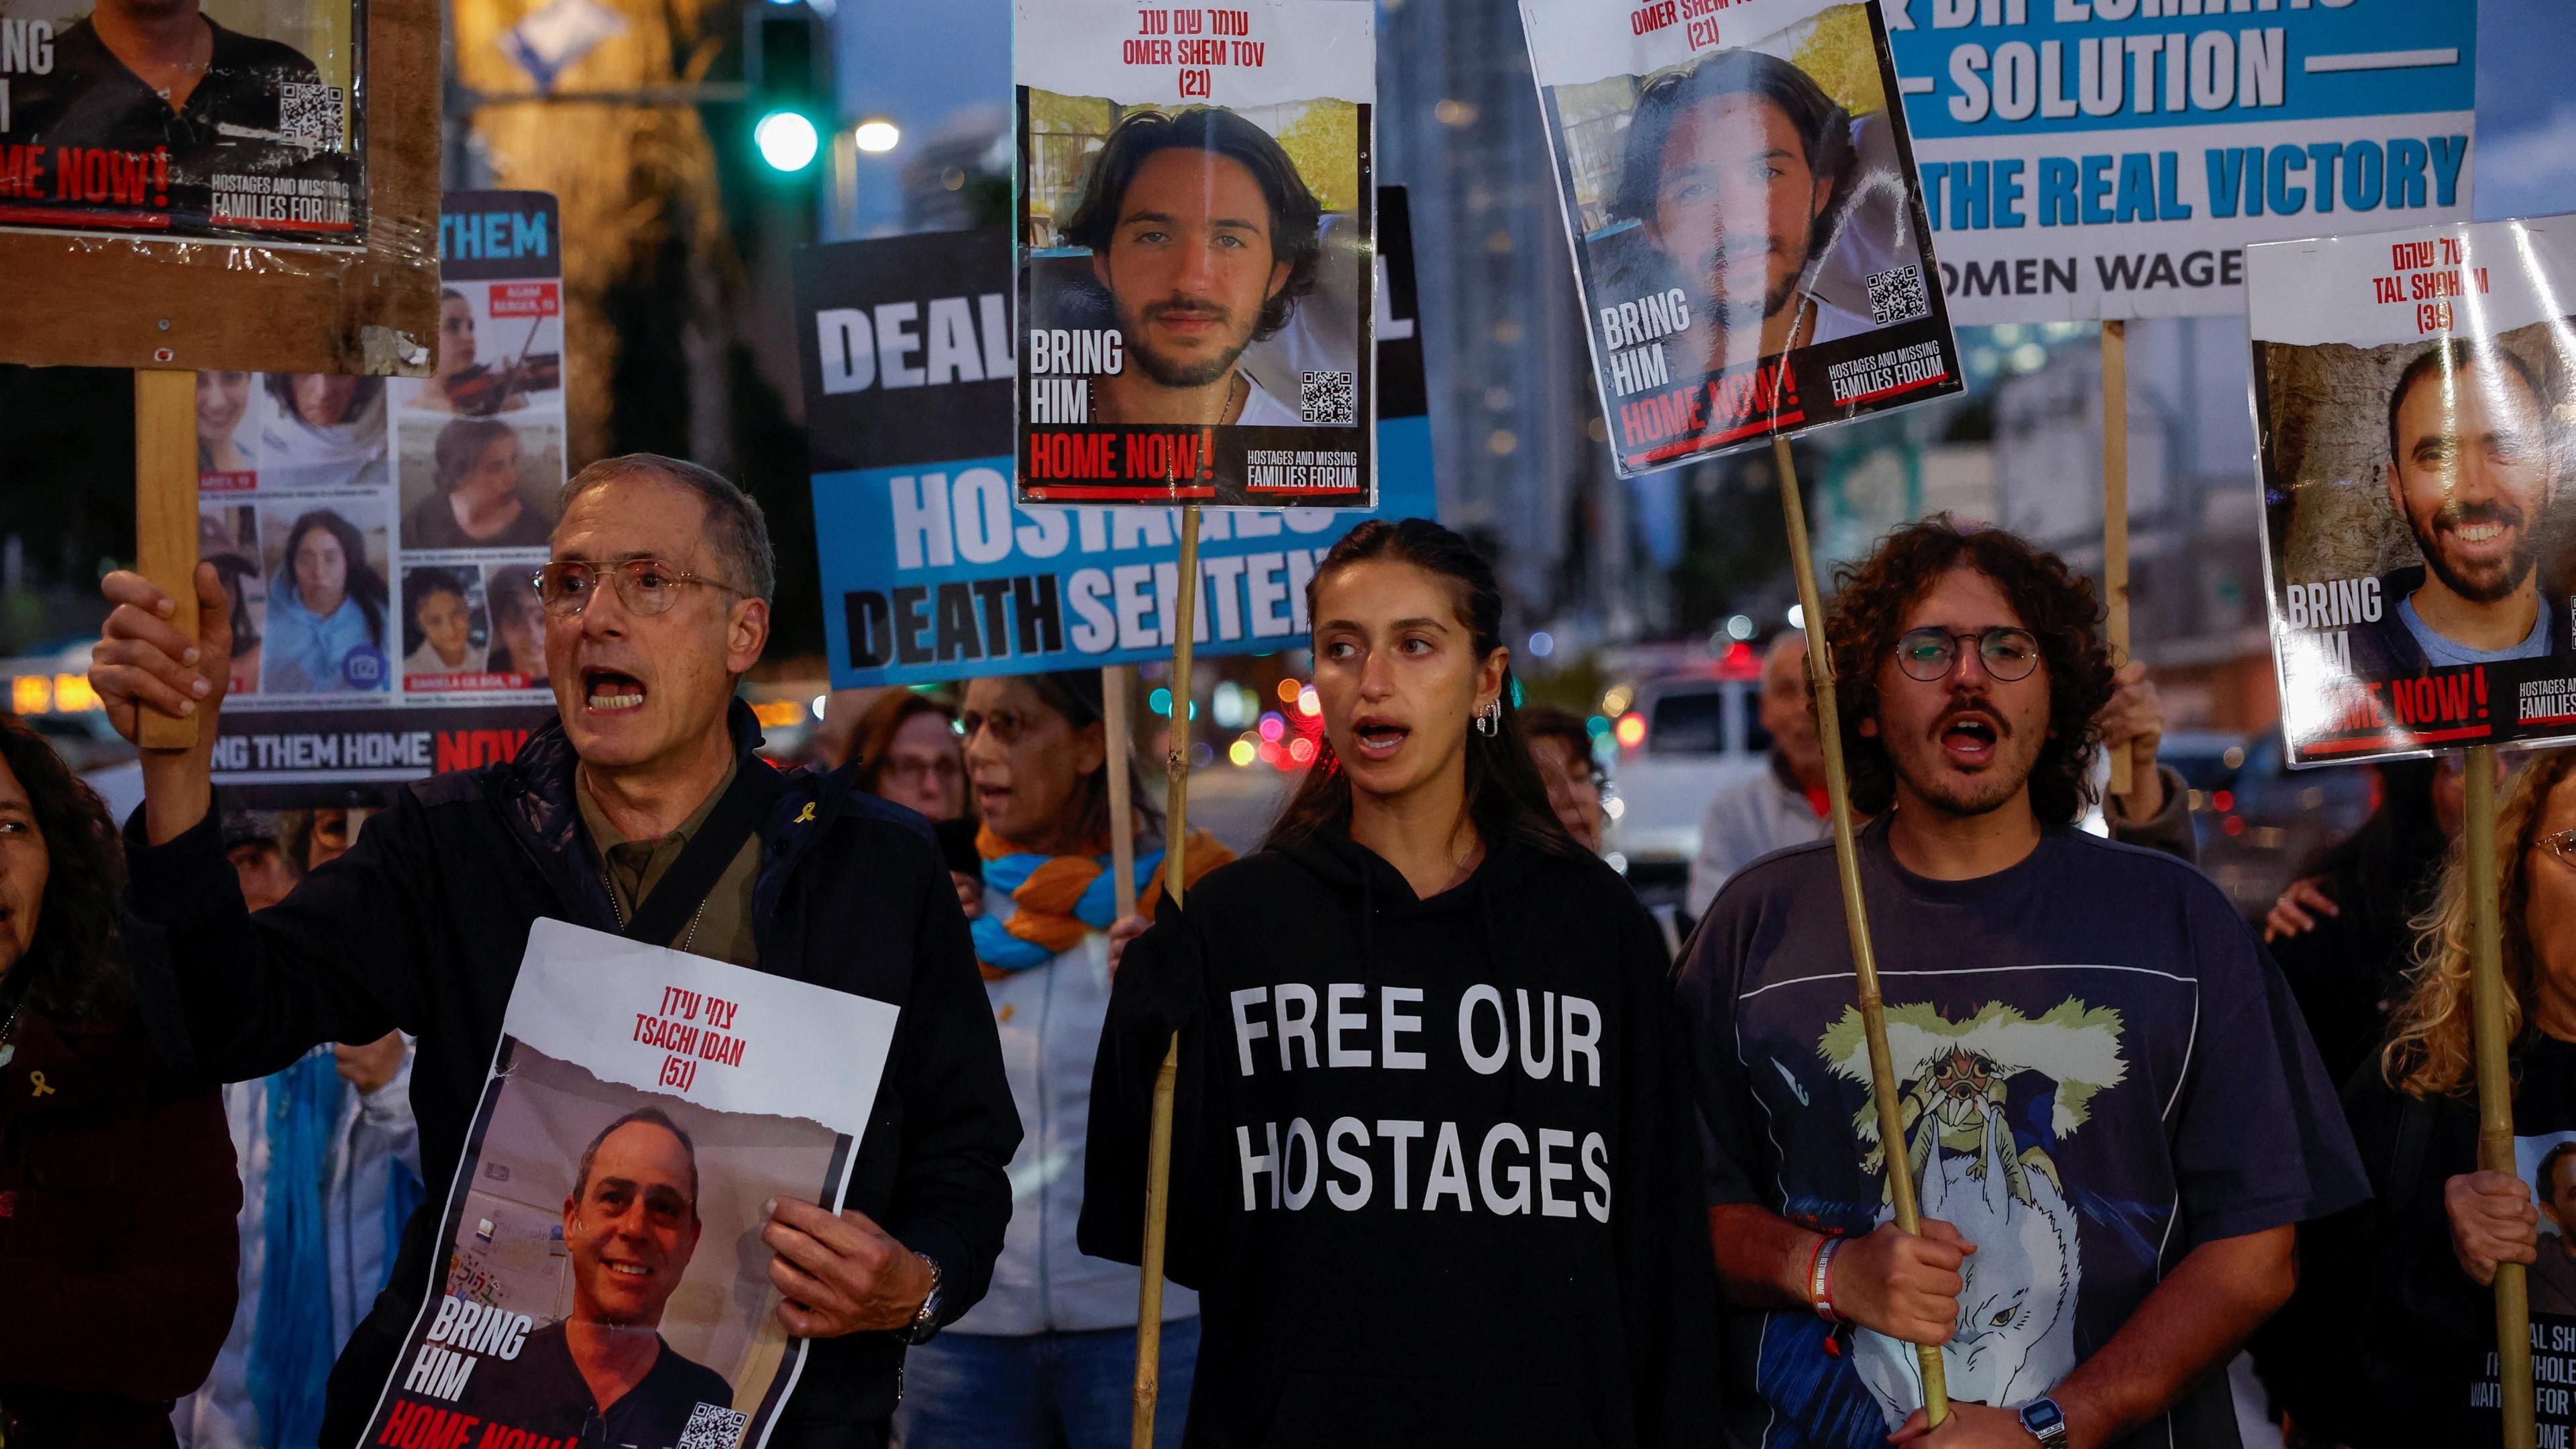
(1205, 238)
(2114, 1117)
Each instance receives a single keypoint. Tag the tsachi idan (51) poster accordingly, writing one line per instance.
(229, 120)
(604, 1229)
(2412, 394)
(1196, 198)
(1748, 238)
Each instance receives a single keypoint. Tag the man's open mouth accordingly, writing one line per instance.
(630, 1270)
(607, 691)
(1969, 740)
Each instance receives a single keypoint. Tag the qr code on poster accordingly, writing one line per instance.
(309, 115)
(1328, 400)
(712, 1426)
(1896, 295)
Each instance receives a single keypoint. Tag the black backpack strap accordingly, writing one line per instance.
(677, 895)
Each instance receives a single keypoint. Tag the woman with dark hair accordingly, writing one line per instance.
(2389, 1342)
(1561, 748)
(1434, 1170)
(325, 432)
(117, 1191)
(906, 748)
(1049, 1356)
(326, 613)
(443, 624)
(476, 502)
(518, 632)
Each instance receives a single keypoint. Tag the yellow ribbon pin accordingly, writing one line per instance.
(806, 814)
(38, 1078)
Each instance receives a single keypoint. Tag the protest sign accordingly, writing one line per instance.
(1195, 204)
(378, 537)
(265, 142)
(2112, 158)
(1740, 200)
(2412, 399)
(642, 1107)
(931, 571)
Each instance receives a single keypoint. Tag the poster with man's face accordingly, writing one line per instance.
(1747, 230)
(2412, 391)
(233, 120)
(606, 1278)
(1195, 244)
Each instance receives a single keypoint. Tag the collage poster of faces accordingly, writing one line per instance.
(1196, 243)
(378, 535)
(264, 139)
(605, 1223)
(1748, 237)
(2415, 398)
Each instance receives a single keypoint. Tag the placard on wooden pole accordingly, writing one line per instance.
(170, 308)
(1158, 1141)
(2115, 514)
(1893, 1148)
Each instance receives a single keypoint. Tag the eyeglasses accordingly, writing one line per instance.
(2563, 845)
(1930, 654)
(644, 585)
(917, 771)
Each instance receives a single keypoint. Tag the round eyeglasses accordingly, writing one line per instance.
(1930, 654)
(644, 585)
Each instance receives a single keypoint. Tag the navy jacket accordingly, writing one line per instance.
(422, 926)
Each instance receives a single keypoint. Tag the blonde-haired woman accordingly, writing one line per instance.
(2389, 1343)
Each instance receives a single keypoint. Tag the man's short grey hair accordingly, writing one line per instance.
(734, 520)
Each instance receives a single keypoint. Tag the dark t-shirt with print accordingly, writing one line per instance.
(2100, 1072)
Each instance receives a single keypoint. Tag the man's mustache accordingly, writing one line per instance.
(1193, 307)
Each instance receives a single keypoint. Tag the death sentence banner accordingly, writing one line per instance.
(931, 571)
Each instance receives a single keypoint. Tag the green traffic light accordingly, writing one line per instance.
(787, 140)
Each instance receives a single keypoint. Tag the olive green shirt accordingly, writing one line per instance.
(721, 928)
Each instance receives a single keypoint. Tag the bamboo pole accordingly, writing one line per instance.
(2115, 513)
(1893, 1148)
(1114, 688)
(1158, 1147)
(165, 519)
(2495, 1088)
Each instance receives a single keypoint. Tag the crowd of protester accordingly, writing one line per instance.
(1636, 1199)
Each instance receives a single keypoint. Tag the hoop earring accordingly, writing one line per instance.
(1489, 720)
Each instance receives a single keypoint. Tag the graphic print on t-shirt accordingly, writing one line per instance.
(1964, 1086)
(2018, 1088)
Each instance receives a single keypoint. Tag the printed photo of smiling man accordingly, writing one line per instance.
(1204, 237)
(630, 1227)
(2473, 471)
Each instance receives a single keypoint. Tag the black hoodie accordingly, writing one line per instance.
(1495, 1240)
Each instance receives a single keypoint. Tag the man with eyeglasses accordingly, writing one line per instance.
(656, 601)
(2114, 1117)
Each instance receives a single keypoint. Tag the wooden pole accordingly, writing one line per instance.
(2115, 512)
(1114, 687)
(1893, 1148)
(2495, 1088)
(1158, 1146)
(165, 518)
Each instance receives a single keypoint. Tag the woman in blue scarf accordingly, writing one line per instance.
(1049, 1356)
(326, 617)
